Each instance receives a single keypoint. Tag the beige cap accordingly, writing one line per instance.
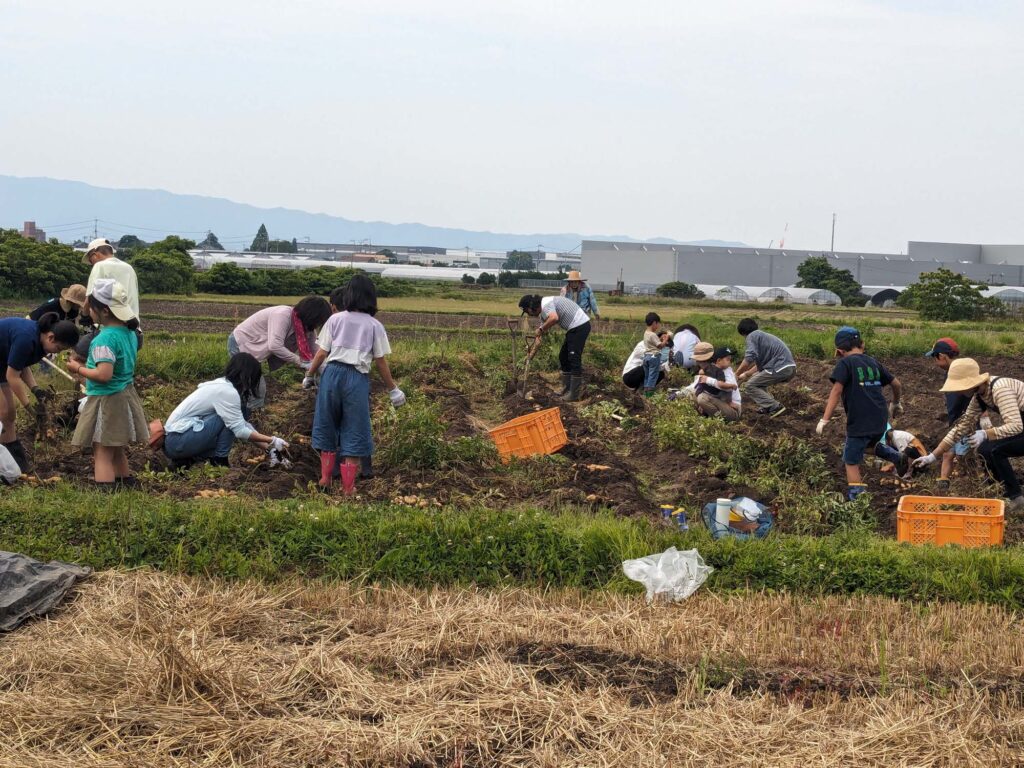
(703, 351)
(99, 242)
(115, 296)
(963, 374)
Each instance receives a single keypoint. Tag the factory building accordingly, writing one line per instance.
(644, 266)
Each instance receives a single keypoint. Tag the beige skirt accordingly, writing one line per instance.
(113, 421)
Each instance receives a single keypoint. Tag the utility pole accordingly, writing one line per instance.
(833, 248)
(95, 230)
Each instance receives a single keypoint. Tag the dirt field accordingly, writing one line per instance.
(146, 669)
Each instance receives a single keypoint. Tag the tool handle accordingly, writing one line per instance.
(58, 369)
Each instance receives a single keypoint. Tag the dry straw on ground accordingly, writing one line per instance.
(145, 669)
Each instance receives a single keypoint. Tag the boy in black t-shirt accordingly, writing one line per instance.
(858, 379)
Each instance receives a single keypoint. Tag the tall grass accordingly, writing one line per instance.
(270, 540)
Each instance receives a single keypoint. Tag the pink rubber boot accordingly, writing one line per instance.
(327, 459)
(348, 477)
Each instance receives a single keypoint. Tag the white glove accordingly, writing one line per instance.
(397, 397)
(820, 429)
(304, 364)
(985, 422)
(277, 444)
(895, 409)
(308, 382)
(977, 439)
(924, 461)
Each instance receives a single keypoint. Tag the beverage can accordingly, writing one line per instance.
(666, 511)
(680, 515)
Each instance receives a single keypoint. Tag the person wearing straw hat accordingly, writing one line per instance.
(577, 291)
(68, 306)
(717, 390)
(995, 445)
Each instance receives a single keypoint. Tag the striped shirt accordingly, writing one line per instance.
(569, 313)
(1005, 396)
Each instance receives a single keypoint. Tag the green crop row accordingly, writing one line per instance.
(243, 538)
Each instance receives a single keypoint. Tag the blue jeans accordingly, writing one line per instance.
(652, 364)
(341, 422)
(214, 440)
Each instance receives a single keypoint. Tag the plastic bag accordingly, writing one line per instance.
(9, 469)
(675, 574)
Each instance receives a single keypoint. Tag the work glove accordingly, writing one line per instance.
(820, 429)
(397, 397)
(42, 395)
(895, 409)
(985, 422)
(977, 439)
(308, 382)
(304, 364)
(924, 461)
(277, 444)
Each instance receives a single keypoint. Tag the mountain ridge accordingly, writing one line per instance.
(69, 208)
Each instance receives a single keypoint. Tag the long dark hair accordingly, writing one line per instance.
(244, 372)
(64, 331)
(530, 303)
(313, 312)
(360, 296)
(99, 306)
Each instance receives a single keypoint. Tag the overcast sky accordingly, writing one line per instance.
(715, 119)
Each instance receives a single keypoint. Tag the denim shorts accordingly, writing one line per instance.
(855, 447)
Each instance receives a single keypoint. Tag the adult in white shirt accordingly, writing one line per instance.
(206, 423)
(101, 256)
(633, 370)
(685, 338)
(565, 313)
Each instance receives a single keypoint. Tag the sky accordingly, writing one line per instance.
(731, 119)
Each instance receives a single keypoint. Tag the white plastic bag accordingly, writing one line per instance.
(675, 574)
(9, 469)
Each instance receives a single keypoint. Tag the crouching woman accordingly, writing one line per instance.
(206, 424)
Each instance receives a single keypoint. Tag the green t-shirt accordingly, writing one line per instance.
(113, 344)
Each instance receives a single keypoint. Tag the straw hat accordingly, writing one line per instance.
(575, 276)
(703, 351)
(963, 374)
(74, 294)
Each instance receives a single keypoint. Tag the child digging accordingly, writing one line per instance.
(655, 340)
(857, 380)
(349, 341)
(112, 417)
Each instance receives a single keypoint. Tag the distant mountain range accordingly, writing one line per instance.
(67, 209)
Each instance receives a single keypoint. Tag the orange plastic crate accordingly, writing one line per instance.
(540, 432)
(942, 520)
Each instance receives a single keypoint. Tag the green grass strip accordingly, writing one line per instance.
(243, 538)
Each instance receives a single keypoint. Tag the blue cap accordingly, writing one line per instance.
(847, 333)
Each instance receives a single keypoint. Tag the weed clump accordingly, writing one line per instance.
(413, 437)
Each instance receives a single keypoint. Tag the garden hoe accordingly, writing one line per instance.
(515, 330)
(532, 350)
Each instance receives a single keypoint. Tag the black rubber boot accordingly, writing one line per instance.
(218, 461)
(365, 467)
(17, 451)
(575, 382)
(566, 383)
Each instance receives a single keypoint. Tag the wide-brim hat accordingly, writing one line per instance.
(575, 276)
(963, 374)
(115, 296)
(75, 294)
(703, 351)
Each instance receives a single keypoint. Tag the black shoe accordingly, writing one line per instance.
(179, 465)
(777, 411)
(218, 461)
(366, 467)
(130, 482)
